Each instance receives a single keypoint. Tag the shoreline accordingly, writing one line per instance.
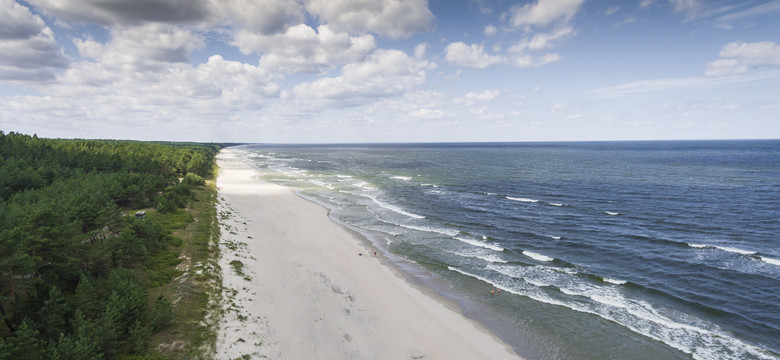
(297, 284)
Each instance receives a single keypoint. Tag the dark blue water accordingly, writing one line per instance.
(601, 250)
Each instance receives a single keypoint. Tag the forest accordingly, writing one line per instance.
(76, 263)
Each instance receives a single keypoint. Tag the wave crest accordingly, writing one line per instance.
(522, 199)
(537, 256)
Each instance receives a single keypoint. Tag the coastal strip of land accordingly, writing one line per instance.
(298, 286)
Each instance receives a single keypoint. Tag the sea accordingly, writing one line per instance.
(570, 250)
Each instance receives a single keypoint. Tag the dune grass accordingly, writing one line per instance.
(195, 282)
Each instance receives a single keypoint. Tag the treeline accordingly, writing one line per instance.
(75, 271)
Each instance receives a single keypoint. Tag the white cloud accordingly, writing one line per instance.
(302, 50)
(612, 10)
(39, 51)
(519, 55)
(218, 84)
(643, 86)
(544, 40)
(689, 8)
(419, 50)
(18, 21)
(110, 12)
(413, 116)
(656, 85)
(725, 67)
(544, 12)
(627, 20)
(384, 73)
(473, 55)
(142, 79)
(427, 114)
(739, 57)
(734, 67)
(30, 52)
(264, 16)
(484, 8)
(149, 47)
(490, 30)
(555, 14)
(523, 60)
(240, 86)
(477, 97)
(762, 9)
(12, 73)
(180, 102)
(753, 54)
(392, 18)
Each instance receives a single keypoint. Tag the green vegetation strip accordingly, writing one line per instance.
(83, 273)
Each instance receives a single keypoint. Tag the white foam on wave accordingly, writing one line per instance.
(556, 204)
(491, 258)
(364, 185)
(448, 232)
(493, 283)
(735, 250)
(554, 237)
(612, 213)
(537, 282)
(614, 281)
(570, 292)
(393, 207)
(288, 173)
(322, 184)
(686, 333)
(566, 270)
(723, 248)
(522, 199)
(539, 275)
(343, 176)
(479, 243)
(770, 260)
(404, 178)
(537, 256)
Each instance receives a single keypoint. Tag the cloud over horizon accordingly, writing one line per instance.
(228, 68)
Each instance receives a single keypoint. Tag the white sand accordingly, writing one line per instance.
(306, 294)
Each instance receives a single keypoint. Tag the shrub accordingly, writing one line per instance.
(193, 180)
(162, 314)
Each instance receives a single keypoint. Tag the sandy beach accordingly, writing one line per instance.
(298, 286)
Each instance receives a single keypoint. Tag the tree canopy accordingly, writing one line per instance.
(74, 271)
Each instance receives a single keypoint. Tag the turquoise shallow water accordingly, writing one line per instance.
(641, 250)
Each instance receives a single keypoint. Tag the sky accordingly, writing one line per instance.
(355, 71)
